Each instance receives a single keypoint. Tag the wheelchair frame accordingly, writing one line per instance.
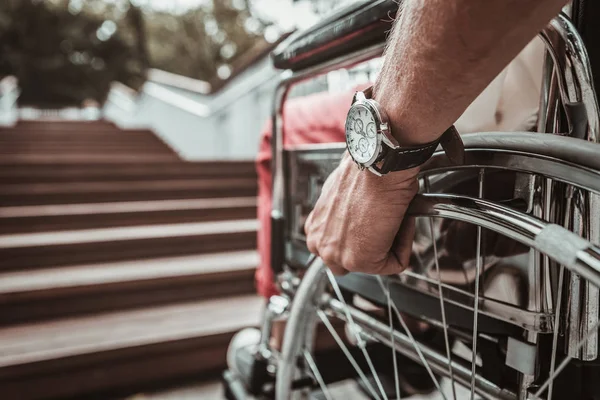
(567, 75)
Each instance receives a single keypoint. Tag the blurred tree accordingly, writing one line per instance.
(66, 51)
(63, 58)
(204, 42)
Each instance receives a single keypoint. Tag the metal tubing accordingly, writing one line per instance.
(576, 85)
(560, 30)
(402, 343)
(276, 307)
(563, 246)
(287, 80)
(574, 70)
(300, 327)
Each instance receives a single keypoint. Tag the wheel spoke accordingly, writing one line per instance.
(392, 339)
(558, 306)
(315, 371)
(476, 294)
(412, 339)
(556, 327)
(566, 361)
(442, 302)
(347, 353)
(354, 329)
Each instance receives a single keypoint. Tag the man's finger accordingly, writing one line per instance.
(403, 243)
(399, 255)
(337, 270)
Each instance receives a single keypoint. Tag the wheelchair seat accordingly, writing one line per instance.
(354, 27)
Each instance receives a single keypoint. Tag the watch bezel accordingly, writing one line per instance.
(384, 135)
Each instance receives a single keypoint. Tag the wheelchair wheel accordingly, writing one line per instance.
(501, 300)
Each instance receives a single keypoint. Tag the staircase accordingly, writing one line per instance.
(121, 266)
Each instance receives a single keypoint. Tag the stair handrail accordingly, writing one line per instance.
(9, 93)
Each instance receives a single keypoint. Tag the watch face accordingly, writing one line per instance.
(361, 134)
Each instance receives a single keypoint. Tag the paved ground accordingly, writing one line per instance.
(345, 391)
(202, 391)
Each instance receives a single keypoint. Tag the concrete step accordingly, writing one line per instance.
(16, 133)
(48, 249)
(92, 288)
(126, 145)
(89, 172)
(94, 192)
(109, 351)
(69, 136)
(34, 138)
(92, 149)
(24, 145)
(39, 218)
(63, 125)
(83, 158)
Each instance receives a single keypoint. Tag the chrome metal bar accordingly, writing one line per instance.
(393, 348)
(564, 247)
(548, 197)
(275, 308)
(557, 316)
(481, 178)
(300, 325)
(403, 344)
(548, 94)
(287, 80)
(481, 152)
(529, 320)
(576, 85)
(535, 268)
(277, 211)
(585, 297)
(576, 65)
(548, 114)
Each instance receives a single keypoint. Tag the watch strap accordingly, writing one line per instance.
(410, 157)
(453, 145)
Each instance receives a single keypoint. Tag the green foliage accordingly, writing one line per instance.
(66, 51)
(59, 58)
(196, 43)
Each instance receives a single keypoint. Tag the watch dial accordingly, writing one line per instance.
(361, 134)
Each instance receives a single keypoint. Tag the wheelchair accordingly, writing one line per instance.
(439, 323)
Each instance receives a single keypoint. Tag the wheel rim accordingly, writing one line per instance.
(583, 258)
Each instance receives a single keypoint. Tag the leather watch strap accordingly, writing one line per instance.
(410, 157)
(453, 145)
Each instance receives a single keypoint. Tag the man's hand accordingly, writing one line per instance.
(441, 55)
(358, 222)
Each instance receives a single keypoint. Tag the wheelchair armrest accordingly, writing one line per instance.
(357, 26)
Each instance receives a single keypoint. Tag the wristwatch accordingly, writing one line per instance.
(371, 145)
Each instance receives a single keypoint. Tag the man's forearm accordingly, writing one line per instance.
(443, 53)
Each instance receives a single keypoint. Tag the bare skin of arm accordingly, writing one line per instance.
(441, 54)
